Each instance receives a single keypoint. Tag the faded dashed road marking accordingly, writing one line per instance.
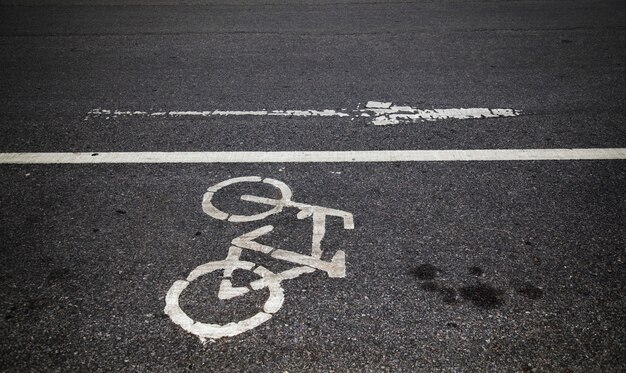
(381, 113)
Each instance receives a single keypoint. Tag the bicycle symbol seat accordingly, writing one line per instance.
(335, 268)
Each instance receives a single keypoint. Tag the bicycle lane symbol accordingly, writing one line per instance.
(335, 268)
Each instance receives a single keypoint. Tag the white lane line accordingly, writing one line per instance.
(317, 156)
(381, 113)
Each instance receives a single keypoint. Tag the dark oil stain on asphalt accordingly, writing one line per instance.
(31, 309)
(59, 274)
(530, 291)
(448, 294)
(431, 286)
(425, 272)
(11, 314)
(483, 295)
(476, 271)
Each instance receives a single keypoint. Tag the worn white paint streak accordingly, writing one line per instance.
(382, 113)
(317, 156)
(386, 116)
(386, 113)
(189, 113)
(205, 113)
(308, 113)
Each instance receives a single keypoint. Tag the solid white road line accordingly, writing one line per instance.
(318, 156)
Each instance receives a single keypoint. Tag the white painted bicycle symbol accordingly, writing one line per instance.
(335, 268)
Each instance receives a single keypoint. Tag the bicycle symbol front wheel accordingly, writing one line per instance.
(278, 205)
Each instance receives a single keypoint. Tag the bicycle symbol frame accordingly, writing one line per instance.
(335, 268)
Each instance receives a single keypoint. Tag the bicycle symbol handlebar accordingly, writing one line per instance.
(335, 268)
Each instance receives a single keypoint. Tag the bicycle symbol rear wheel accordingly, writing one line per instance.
(214, 331)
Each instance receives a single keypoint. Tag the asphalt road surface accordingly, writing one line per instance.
(496, 266)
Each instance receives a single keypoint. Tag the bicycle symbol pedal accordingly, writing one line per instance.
(335, 268)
